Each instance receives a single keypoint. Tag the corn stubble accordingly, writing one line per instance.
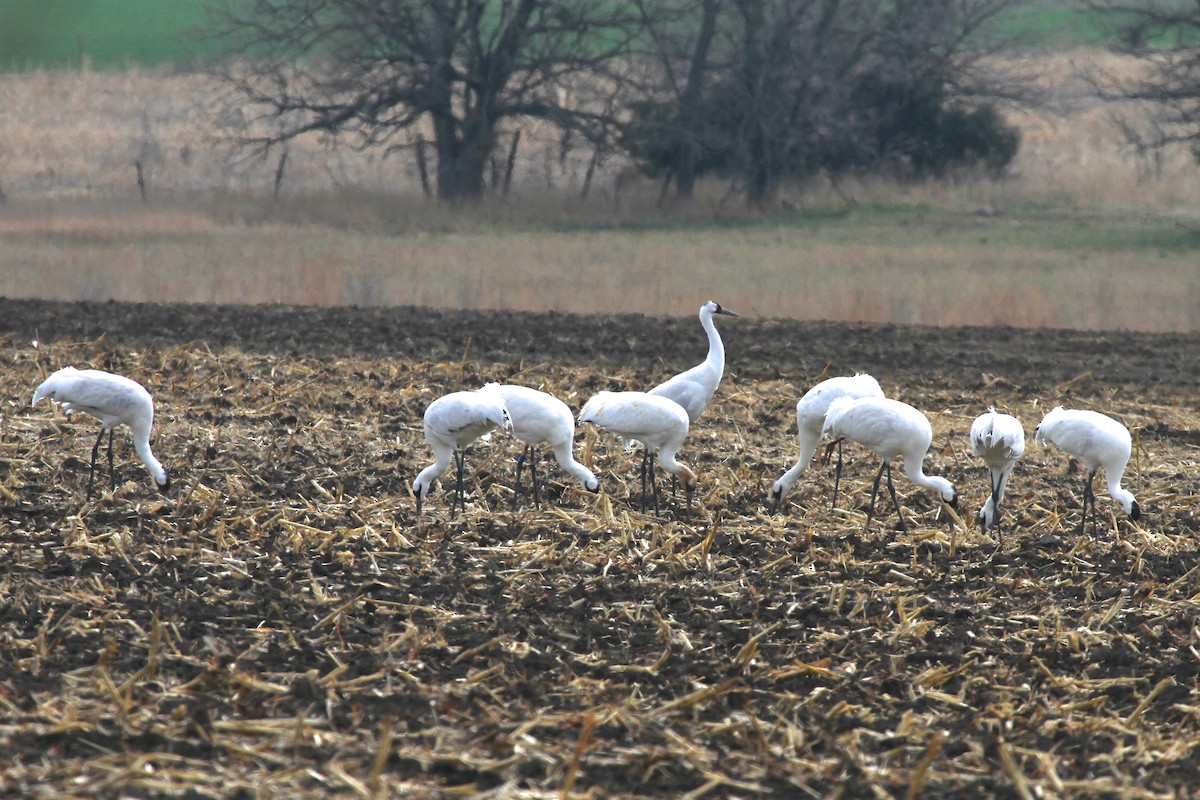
(285, 624)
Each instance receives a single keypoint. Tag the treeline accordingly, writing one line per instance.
(758, 92)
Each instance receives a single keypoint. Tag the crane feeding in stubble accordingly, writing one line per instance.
(810, 420)
(889, 428)
(539, 418)
(452, 422)
(999, 439)
(659, 424)
(1096, 441)
(114, 400)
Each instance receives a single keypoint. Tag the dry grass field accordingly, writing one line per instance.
(1082, 235)
(283, 623)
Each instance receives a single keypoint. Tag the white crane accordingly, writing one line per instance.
(1096, 441)
(452, 422)
(114, 400)
(888, 428)
(539, 418)
(694, 388)
(810, 420)
(999, 439)
(658, 423)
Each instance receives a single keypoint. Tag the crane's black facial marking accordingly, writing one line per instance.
(163, 488)
(1135, 511)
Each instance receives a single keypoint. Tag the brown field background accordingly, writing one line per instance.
(353, 228)
(284, 624)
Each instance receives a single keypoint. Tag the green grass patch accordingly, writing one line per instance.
(1053, 26)
(112, 34)
(1063, 25)
(914, 224)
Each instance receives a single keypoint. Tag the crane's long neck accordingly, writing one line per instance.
(141, 443)
(667, 460)
(716, 348)
(1115, 490)
(443, 455)
(566, 460)
(808, 446)
(788, 479)
(913, 469)
(1000, 481)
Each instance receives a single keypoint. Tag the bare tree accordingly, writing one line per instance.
(1164, 35)
(791, 78)
(767, 90)
(363, 71)
(678, 44)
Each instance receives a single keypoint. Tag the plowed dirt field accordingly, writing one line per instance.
(284, 624)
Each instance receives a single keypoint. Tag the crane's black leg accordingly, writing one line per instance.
(534, 476)
(1089, 497)
(112, 476)
(92, 470)
(996, 512)
(459, 497)
(895, 501)
(837, 472)
(983, 525)
(653, 484)
(874, 493)
(645, 459)
(517, 489)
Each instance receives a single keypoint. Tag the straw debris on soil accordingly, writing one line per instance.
(283, 624)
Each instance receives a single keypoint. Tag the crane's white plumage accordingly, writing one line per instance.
(539, 418)
(658, 423)
(888, 428)
(114, 400)
(694, 389)
(999, 440)
(1096, 441)
(810, 421)
(452, 422)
